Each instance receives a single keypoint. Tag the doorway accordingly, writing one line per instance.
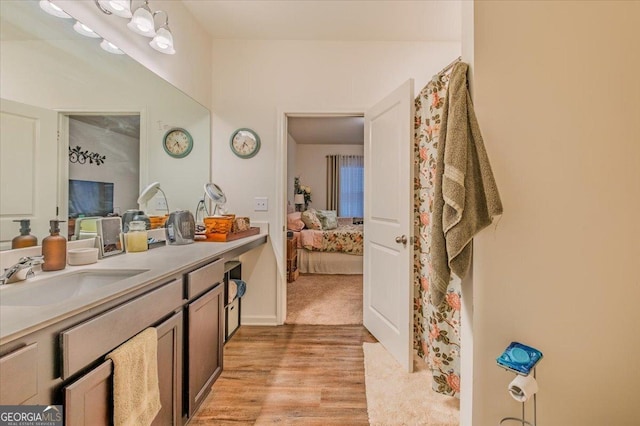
(101, 166)
(315, 281)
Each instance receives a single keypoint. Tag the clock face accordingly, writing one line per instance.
(178, 143)
(245, 143)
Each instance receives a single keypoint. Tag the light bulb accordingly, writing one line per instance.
(81, 28)
(110, 47)
(119, 8)
(116, 5)
(53, 9)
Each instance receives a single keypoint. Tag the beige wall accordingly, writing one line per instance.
(311, 166)
(557, 92)
(254, 81)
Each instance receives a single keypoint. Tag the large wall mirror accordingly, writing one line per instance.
(77, 118)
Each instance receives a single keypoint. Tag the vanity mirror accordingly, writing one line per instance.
(50, 78)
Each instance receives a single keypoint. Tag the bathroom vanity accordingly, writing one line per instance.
(56, 329)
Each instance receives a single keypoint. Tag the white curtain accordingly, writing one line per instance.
(345, 184)
(351, 186)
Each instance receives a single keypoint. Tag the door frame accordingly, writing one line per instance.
(63, 148)
(281, 194)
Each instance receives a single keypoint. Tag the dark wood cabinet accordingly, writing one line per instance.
(19, 375)
(204, 348)
(88, 400)
(63, 361)
(170, 344)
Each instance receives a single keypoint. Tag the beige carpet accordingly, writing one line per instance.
(395, 397)
(325, 299)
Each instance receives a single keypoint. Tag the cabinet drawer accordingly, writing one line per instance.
(19, 375)
(86, 342)
(204, 278)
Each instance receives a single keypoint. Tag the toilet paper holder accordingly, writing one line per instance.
(523, 420)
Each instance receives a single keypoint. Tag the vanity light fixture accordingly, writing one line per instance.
(142, 21)
(52, 9)
(121, 8)
(110, 47)
(84, 30)
(163, 40)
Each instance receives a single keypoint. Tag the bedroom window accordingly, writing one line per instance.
(351, 186)
(345, 184)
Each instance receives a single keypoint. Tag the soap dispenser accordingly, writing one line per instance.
(54, 248)
(25, 239)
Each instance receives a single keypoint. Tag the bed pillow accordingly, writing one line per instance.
(310, 219)
(294, 222)
(328, 219)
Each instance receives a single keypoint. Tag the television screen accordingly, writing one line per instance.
(89, 198)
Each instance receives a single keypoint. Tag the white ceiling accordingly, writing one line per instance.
(327, 130)
(335, 20)
(345, 20)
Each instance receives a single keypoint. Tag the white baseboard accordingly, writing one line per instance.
(259, 320)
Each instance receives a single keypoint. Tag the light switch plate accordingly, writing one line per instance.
(261, 204)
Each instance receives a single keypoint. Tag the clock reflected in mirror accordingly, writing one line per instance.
(177, 142)
(245, 143)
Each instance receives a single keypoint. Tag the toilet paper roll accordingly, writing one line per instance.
(523, 387)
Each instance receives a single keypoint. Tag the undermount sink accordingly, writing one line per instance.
(60, 288)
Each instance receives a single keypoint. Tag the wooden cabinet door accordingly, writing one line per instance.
(19, 375)
(88, 400)
(170, 371)
(205, 344)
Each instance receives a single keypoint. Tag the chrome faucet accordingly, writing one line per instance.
(9, 274)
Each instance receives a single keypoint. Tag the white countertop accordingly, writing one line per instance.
(158, 263)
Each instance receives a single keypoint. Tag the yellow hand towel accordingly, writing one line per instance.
(136, 394)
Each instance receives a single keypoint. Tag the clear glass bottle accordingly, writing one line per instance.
(136, 237)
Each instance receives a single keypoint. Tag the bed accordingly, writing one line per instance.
(333, 251)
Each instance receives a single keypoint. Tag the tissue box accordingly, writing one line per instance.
(241, 224)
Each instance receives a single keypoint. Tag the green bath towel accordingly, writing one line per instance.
(466, 195)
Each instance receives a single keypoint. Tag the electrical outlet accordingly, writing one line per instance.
(261, 204)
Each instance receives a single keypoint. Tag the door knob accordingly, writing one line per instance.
(402, 239)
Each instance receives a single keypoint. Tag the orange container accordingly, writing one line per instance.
(219, 224)
(157, 221)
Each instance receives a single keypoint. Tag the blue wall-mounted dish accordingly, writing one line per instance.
(519, 358)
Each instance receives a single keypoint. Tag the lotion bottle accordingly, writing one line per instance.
(25, 239)
(54, 248)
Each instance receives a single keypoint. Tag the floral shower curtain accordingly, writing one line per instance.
(436, 329)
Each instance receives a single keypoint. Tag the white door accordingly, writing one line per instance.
(28, 169)
(388, 211)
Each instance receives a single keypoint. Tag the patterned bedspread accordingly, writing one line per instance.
(344, 239)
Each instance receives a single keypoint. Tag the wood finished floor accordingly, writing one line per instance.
(291, 374)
